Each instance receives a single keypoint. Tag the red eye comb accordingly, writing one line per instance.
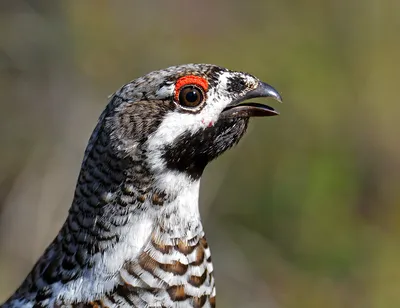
(190, 80)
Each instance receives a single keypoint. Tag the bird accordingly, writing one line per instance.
(133, 236)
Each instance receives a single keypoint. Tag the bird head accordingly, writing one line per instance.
(180, 118)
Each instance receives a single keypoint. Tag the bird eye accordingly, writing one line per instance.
(190, 96)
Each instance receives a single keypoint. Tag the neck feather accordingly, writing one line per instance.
(118, 207)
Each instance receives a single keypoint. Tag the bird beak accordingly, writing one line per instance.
(237, 110)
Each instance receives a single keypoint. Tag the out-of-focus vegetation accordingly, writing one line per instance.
(305, 212)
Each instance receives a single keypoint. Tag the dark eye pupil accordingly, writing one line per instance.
(191, 96)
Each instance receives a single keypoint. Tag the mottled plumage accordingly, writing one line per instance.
(133, 236)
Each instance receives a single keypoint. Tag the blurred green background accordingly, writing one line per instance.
(305, 212)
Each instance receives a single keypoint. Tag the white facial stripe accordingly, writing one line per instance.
(223, 83)
(175, 124)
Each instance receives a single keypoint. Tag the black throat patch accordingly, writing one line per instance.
(190, 153)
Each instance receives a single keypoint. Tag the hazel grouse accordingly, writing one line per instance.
(133, 236)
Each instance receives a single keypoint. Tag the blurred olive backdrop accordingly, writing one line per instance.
(305, 212)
